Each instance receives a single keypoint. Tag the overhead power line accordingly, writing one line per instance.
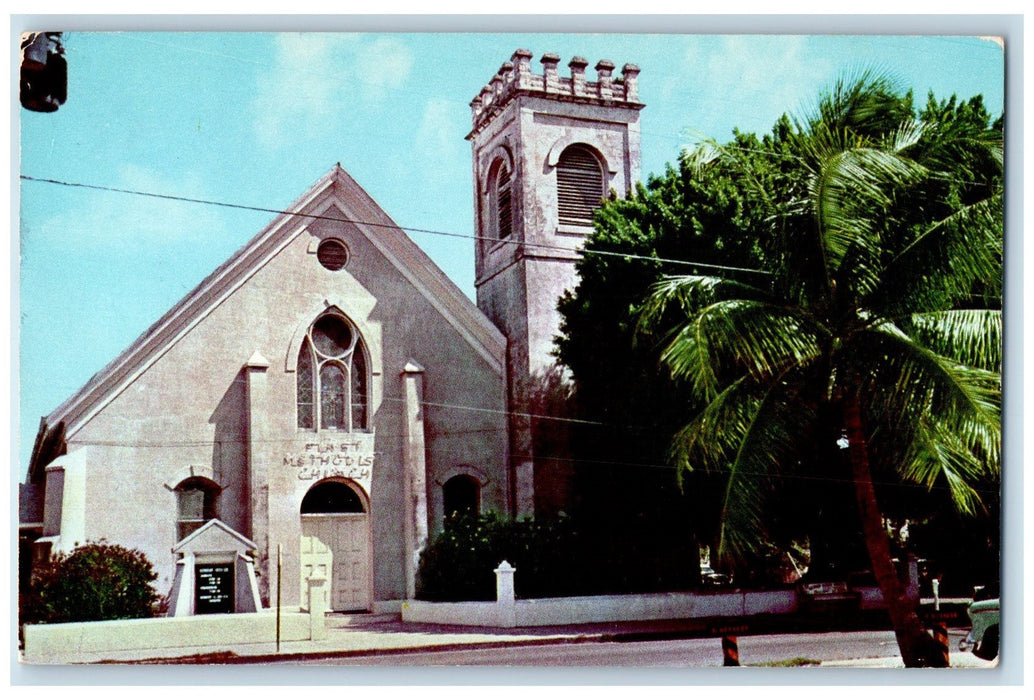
(339, 219)
(584, 462)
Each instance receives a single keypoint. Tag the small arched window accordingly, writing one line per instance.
(503, 202)
(195, 504)
(461, 495)
(499, 200)
(580, 185)
(332, 384)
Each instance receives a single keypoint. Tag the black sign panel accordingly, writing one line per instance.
(213, 588)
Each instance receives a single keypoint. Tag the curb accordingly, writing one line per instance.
(663, 631)
(232, 657)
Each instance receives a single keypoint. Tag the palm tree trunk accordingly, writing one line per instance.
(917, 647)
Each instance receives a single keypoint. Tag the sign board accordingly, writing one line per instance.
(213, 589)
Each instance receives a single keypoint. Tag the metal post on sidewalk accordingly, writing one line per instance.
(730, 651)
(279, 579)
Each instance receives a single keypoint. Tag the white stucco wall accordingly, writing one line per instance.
(544, 612)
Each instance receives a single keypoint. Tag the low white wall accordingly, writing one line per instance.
(50, 643)
(387, 607)
(594, 609)
(485, 614)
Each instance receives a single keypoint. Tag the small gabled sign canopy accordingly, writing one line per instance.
(214, 536)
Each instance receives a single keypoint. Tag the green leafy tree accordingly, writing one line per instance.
(629, 410)
(685, 220)
(95, 581)
(877, 327)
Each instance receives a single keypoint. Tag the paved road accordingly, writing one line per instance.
(757, 650)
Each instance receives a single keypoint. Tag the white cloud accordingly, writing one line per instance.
(436, 144)
(319, 77)
(436, 135)
(381, 66)
(756, 78)
(116, 220)
(770, 70)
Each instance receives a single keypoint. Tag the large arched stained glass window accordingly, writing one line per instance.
(332, 396)
(332, 384)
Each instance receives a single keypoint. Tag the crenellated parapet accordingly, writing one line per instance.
(515, 77)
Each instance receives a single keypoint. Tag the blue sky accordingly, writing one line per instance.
(256, 119)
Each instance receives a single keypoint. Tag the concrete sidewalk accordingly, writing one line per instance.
(346, 635)
(362, 635)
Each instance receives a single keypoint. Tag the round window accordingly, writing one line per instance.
(331, 336)
(332, 254)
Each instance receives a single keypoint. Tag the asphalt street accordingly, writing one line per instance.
(758, 650)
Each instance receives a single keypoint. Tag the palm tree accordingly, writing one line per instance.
(881, 243)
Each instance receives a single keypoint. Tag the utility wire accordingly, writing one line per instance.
(517, 414)
(799, 478)
(451, 234)
(382, 435)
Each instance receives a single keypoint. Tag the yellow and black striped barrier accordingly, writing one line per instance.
(939, 630)
(730, 651)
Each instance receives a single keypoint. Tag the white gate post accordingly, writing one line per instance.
(505, 600)
(317, 607)
(912, 590)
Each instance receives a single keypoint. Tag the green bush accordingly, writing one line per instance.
(458, 564)
(558, 557)
(95, 581)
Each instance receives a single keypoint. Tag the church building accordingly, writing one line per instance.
(328, 395)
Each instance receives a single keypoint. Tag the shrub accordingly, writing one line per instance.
(95, 581)
(564, 556)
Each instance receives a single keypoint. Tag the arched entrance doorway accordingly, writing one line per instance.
(336, 543)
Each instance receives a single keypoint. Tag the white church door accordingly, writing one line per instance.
(335, 544)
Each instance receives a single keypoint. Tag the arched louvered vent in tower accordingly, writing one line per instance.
(579, 185)
(503, 203)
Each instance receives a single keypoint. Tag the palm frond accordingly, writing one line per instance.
(703, 154)
(938, 455)
(711, 440)
(687, 352)
(971, 337)
(944, 261)
(769, 447)
(905, 383)
(849, 189)
(909, 133)
(689, 293)
(740, 336)
(957, 144)
(851, 103)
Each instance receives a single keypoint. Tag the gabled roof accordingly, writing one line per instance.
(214, 536)
(335, 189)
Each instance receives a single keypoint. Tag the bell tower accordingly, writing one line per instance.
(546, 150)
